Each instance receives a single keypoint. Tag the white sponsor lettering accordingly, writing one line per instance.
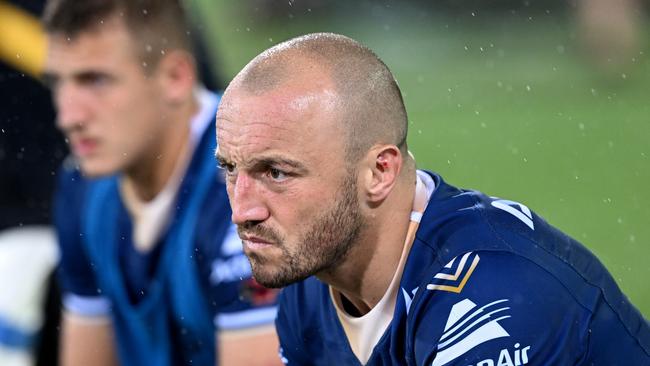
(507, 357)
(229, 270)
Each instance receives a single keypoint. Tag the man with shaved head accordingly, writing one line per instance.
(389, 265)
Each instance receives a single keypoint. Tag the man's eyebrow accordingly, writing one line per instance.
(264, 161)
(218, 157)
(275, 160)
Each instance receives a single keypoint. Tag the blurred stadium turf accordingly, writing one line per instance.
(507, 105)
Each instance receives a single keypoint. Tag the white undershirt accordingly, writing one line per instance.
(151, 218)
(364, 332)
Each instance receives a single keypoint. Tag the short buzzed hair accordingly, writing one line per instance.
(373, 108)
(156, 25)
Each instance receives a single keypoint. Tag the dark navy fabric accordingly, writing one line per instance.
(163, 302)
(486, 283)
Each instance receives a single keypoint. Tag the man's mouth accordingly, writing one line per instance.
(84, 146)
(253, 242)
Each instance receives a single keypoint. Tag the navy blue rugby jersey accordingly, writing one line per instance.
(166, 304)
(487, 283)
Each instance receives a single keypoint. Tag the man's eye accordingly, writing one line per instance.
(277, 174)
(94, 80)
(229, 168)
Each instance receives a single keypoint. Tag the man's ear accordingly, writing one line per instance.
(384, 164)
(176, 73)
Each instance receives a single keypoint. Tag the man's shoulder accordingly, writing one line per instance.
(486, 275)
(494, 302)
(458, 222)
(495, 305)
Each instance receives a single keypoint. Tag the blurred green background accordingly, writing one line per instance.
(512, 100)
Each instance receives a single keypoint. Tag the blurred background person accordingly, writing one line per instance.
(31, 149)
(149, 271)
(610, 31)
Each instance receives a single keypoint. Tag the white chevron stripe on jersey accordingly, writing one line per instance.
(524, 215)
(462, 334)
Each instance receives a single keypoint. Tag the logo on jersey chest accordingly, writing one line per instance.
(469, 326)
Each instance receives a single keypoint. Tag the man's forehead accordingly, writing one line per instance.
(250, 125)
(286, 105)
(109, 41)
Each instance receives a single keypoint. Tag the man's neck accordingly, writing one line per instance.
(364, 277)
(149, 176)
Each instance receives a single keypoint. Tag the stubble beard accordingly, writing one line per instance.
(322, 247)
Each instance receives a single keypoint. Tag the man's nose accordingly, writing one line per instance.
(247, 201)
(72, 111)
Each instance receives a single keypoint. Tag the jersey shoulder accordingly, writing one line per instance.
(495, 265)
(483, 305)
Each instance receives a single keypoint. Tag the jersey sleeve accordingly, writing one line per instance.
(80, 292)
(496, 308)
(630, 339)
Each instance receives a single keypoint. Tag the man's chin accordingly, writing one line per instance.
(95, 169)
(271, 279)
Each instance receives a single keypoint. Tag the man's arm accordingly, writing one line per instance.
(87, 333)
(257, 346)
(87, 341)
